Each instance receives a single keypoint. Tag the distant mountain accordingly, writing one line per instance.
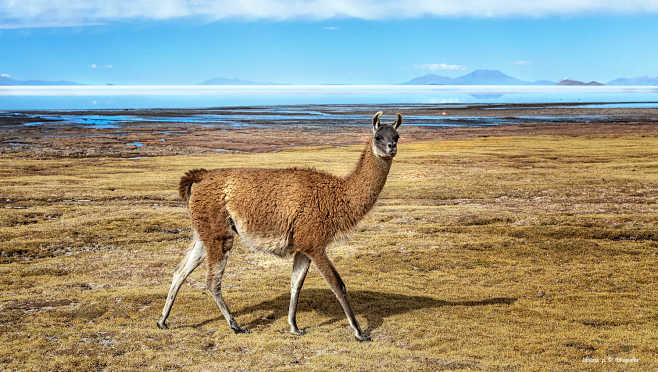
(487, 77)
(570, 82)
(640, 80)
(477, 77)
(9, 81)
(431, 79)
(231, 81)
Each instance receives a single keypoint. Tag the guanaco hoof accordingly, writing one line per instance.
(162, 325)
(363, 338)
(237, 329)
(298, 332)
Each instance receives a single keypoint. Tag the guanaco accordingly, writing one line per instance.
(290, 212)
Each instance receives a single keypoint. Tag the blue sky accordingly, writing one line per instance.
(363, 44)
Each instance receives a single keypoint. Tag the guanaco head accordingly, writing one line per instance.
(385, 141)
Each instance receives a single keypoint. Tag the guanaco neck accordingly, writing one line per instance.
(365, 183)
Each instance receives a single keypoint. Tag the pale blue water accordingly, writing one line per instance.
(297, 117)
(126, 97)
(249, 118)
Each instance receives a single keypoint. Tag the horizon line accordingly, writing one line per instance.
(200, 90)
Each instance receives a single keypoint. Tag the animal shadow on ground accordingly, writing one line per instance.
(374, 306)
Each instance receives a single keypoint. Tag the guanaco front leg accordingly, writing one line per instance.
(299, 269)
(326, 268)
(194, 256)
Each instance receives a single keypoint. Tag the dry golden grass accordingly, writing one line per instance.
(495, 253)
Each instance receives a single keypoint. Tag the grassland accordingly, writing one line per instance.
(515, 253)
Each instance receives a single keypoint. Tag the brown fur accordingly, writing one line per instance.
(308, 206)
(286, 212)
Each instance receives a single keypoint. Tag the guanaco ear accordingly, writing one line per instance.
(398, 121)
(375, 121)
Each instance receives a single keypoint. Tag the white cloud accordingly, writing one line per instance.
(440, 67)
(95, 66)
(66, 13)
(13, 24)
(523, 63)
(5, 75)
(330, 28)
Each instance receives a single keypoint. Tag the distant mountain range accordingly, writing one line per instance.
(477, 77)
(9, 81)
(495, 77)
(641, 80)
(570, 82)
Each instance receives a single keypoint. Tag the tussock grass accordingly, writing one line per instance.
(493, 253)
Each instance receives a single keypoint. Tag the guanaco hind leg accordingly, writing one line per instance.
(217, 258)
(194, 256)
(299, 269)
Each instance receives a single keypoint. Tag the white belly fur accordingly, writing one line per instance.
(270, 244)
(278, 245)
